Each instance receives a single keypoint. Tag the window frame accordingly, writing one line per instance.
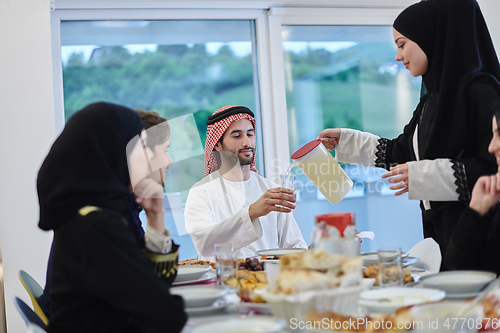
(268, 27)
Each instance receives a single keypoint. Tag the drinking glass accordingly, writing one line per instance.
(390, 267)
(225, 262)
(289, 181)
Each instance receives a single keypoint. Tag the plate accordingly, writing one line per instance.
(462, 295)
(262, 308)
(372, 258)
(280, 252)
(191, 272)
(254, 324)
(410, 261)
(271, 261)
(458, 282)
(199, 296)
(219, 305)
(387, 300)
(403, 255)
(444, 317)
(205, 278)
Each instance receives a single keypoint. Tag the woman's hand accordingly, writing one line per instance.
(485, 194)
(330, 137)
(149, 195)
(399, 174)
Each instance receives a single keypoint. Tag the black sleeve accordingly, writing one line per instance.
(118, 272)
(165, 265)
(473, 239)
(482, 99)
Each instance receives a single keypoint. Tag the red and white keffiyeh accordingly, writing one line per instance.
(215, 132)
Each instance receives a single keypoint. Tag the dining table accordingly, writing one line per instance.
(230, 314)
(237, 310)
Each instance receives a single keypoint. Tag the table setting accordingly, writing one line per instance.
(278, 290)
(332, 284)
(333, 287)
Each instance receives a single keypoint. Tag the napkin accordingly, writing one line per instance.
(366, 234)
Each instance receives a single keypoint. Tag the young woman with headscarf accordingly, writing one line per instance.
(443, 149)
(102, 279)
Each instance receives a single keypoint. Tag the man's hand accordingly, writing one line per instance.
(485, 194)
(149, 195)
(268, 202)
(330, 137)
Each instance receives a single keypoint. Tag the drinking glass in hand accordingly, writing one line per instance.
(289, 181)
(390, 267)
(225, 262)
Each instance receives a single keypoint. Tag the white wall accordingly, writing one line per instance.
(26, 132)
(491, 10)
(27, 122)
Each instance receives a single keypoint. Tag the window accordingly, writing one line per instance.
(306, 68)
(183, 69)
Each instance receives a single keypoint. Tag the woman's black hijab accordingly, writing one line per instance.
(455, 38)
(87, 164)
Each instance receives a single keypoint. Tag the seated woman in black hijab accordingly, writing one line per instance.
(101, 278)
(443, 149)
(157, 142)
(475, 242)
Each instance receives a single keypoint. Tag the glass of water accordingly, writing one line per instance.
(289, 181)
(225, 262)
(390, 267)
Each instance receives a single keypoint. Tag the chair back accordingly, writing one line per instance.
(34, 290)
(29, 316)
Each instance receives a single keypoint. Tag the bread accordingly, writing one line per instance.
(317, 259)
(196, 262)
(290, 281)
(317, 269)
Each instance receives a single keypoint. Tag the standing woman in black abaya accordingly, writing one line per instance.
(443, 150)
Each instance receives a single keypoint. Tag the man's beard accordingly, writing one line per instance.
(233, 157)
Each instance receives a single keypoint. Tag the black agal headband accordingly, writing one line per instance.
(226, 113)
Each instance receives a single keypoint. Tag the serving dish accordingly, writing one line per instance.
(280, 252)
(458, 282)
(199, 296)
(191, 272)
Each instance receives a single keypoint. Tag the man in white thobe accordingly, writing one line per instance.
(234, 203)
